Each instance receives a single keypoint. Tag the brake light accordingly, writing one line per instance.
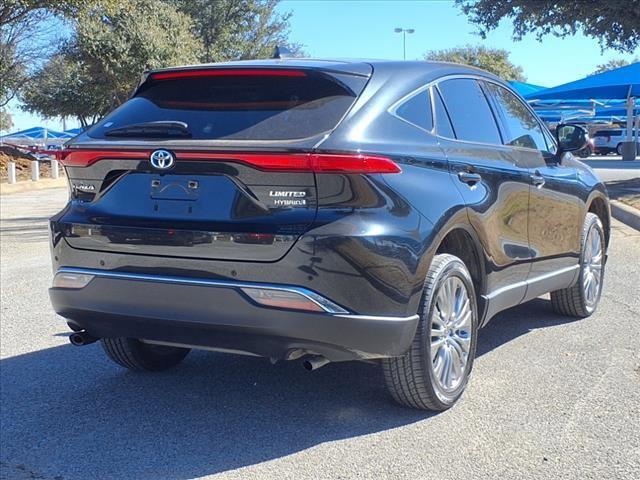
(346, 163)
(235, 72)
(281, 162)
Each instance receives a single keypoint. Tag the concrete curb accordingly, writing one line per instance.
(28, 185)
(626, 214)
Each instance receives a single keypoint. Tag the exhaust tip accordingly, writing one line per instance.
(313, 363)
(79, 339)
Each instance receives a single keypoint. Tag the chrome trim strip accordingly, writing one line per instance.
(324, 303)
(375, 318)
(525, 283)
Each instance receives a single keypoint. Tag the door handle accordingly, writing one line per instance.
(469, 178)
(537, 180)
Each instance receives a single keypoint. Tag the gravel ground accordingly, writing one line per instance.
(551, 397)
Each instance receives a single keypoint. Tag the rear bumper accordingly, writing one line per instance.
(217, 314)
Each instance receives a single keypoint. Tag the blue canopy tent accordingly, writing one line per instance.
(36, 135)
(619, 84)
(74, 131)
(525, 89)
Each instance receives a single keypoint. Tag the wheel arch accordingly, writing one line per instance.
(459, 238)
(598, 204)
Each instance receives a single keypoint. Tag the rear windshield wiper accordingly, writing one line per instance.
(161, 129)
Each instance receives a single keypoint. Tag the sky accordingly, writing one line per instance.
(364, 29)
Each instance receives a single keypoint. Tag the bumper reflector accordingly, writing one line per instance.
(282, 299)
(71, 280)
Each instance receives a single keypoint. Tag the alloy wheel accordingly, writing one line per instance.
(592, 266)
(451, 323)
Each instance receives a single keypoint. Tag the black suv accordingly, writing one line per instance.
(323, 211)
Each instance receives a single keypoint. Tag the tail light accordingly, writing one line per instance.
(281, 162)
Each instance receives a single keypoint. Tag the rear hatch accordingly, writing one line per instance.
(212, 163)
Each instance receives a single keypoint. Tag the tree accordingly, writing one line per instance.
(6, 122)
(24, 37)
(614, 23)
(232, 29)
(101, 65)
(613, 64)
(493, 60)
(63, 88)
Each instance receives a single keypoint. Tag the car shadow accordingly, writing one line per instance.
(68, 413)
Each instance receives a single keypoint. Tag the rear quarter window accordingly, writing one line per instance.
(242, 107)
(416, 110)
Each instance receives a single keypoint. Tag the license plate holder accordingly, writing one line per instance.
(174, 187)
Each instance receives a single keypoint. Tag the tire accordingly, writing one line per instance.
(619, 149)
(412, 379)
(582, 299)
(136, 355)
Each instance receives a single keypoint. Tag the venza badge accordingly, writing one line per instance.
(162, 159)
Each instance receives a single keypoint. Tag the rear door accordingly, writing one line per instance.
(232, 172)
(492, 179)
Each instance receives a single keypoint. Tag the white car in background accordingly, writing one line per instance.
(609, 141)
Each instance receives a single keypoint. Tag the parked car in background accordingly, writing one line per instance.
(610, 141)
(323, 211)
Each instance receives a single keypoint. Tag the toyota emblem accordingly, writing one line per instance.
(162, 159)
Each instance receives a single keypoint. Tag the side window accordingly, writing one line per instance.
(417, 110)
(521, 127)
(469, 111)
(443, 123)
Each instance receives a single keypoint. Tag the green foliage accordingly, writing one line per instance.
(101, 65)
(12, 71)
(614, 23)
(613, 64)
(6, 122)
(15, 11)
(62, 88)
(118, 46)
(493, 60)
(114, 42)
(22, 25)
(232, 29)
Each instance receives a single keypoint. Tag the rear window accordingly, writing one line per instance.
(241, 106)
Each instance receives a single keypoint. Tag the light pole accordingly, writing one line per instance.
(404, 32)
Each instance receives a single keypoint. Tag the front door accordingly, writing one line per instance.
(554, 215)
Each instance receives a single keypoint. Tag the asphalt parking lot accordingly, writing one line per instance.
(551, 397)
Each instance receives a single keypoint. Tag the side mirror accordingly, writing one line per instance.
(571, 138)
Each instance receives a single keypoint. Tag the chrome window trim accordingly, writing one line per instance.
(434, 83)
